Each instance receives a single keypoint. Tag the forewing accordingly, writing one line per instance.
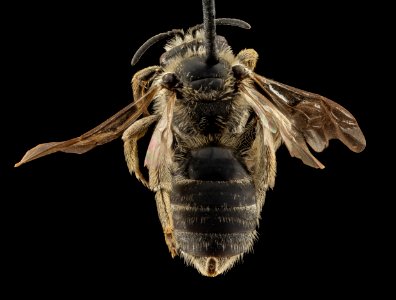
(268, 113)
(107, 131)
(317, 118)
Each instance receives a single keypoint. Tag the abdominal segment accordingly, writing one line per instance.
(213, 206)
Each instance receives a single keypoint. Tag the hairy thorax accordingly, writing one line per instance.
(220, 123)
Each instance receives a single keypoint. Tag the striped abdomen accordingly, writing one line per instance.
(214, 208)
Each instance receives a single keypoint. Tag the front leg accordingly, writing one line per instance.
(142, 81)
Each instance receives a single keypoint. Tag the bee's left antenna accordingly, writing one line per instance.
(151, 41)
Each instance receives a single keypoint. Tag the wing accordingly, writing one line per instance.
(159, 150)
(305, 118)
(274, 120)
(161, 140)
(107, 131)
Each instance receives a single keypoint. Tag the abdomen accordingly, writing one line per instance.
(213, 206)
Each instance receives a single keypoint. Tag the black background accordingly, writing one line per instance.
(81, 224)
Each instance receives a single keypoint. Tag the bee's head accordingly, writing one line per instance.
(197, 74)
(188, 63)
(196, 60)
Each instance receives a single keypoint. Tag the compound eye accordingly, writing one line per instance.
(169, 80)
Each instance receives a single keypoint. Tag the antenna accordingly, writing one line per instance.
(209, 15)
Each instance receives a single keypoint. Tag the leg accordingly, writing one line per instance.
(163, 207)
(141, 82)
(130, 137)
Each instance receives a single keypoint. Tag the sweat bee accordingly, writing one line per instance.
(216, 128)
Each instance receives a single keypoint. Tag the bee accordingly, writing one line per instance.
(216, 126)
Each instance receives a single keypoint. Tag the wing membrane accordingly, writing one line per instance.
(161, 140)
(317, 118)
(293, 139)
(107, 131)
